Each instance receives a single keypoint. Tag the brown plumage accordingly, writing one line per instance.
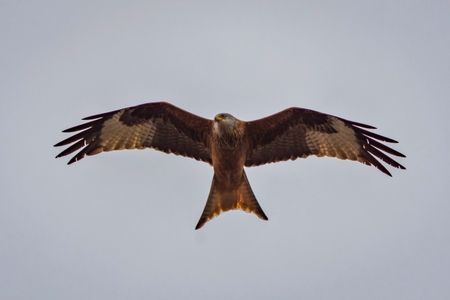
(229, 144)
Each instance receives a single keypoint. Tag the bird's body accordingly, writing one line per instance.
(228, 148)
(229, 144)
(230, 188)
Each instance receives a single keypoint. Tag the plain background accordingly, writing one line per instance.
(121, 225)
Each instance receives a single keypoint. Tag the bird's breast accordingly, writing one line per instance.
(228, 159)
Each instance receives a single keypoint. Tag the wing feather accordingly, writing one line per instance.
(298, 132)
(385, 148)
(376, 136)
(158, 125)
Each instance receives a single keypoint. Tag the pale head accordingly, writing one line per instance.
(225, 123)
(224, 117)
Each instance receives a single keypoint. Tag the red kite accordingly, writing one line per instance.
(229, 144)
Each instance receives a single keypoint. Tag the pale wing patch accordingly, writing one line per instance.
(343, 144)
(115, 135)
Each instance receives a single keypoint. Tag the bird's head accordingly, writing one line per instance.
(225, 123)
(224, 118)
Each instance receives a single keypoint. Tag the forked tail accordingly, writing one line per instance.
(221, 199)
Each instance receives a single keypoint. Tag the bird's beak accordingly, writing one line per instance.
(218, 118)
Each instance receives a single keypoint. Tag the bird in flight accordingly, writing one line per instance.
(229, 144)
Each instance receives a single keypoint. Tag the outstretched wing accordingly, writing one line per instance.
(158, 125)
(297, 132)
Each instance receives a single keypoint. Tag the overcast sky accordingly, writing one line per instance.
(121, 225)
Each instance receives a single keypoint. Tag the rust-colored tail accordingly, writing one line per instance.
(221, 200)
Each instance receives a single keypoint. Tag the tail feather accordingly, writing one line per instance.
(247, 200)
(220, 200)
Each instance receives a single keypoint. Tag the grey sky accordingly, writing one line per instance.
(121, 225)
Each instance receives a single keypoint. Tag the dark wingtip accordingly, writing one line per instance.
(384, 170)
(102, 115)
(399, 154)
(71, 129)
(362, 125)
(388, 140)
(75, 128)
(72, 160)
(91, 117)
(376, 136)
